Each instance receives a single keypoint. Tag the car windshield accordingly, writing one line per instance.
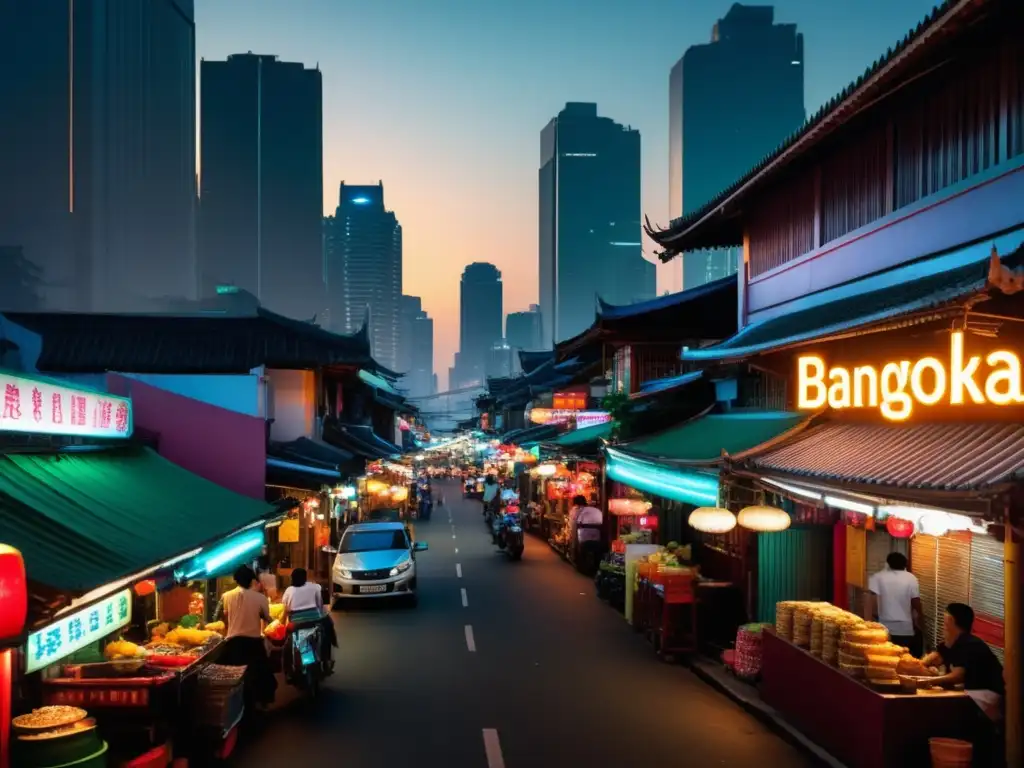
(373, 541)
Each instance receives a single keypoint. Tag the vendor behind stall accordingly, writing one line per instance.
(971, 663)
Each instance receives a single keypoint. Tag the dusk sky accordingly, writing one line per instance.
(444, 101)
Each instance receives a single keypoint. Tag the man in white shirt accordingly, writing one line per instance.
(587, 522)
(895, 598)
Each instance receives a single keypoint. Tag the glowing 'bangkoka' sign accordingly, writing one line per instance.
(899, 386)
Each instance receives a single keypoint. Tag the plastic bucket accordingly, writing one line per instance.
(950, 753)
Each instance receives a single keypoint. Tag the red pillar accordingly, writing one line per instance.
(839, 590)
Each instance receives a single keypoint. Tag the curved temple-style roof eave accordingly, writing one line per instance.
(830, 116)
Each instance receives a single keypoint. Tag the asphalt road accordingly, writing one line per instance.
(505, 664)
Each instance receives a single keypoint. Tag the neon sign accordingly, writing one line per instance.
(77, 630)
(51, 407)
(901, 385)
(561, 416)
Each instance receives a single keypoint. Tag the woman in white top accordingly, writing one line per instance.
(302, 595)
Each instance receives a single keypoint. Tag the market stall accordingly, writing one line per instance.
(827, 670)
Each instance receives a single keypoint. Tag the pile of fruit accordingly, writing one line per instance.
(122, 650)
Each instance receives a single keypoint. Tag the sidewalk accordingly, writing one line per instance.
(746, 695)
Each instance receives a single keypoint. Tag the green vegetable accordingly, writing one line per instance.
(189, 622)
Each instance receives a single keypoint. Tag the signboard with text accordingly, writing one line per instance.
(555, 416)
(51, 407)
(952, 379)
(77, 630)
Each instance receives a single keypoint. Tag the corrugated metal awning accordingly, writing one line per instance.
(950, 457)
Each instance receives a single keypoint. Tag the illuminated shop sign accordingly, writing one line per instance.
(899, 386)
(77, 630)
(50, 407)
(561, 416)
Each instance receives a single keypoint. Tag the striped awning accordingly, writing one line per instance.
(950, 457)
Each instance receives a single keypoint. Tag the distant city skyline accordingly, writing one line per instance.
(480, 320)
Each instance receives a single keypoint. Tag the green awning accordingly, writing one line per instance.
(703, 440)
(84, 519)
(585, 436)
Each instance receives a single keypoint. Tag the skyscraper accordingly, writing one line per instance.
(261, 201)
(589, 220)
(731, 102)
(97, 148)
(523, 330)
(363, 264)
(415, 347)
(480, 315)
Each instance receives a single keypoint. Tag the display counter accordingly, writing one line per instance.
(859, 726)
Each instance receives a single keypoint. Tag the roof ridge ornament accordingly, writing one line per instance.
(1001, 277)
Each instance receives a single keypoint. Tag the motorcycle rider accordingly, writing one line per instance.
(303, 602)
(492, 497)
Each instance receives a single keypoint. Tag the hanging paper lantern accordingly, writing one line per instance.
(712, 520)
(899, 528)
(147, 587)
(13, 594)
(764, 519)
(628, 507)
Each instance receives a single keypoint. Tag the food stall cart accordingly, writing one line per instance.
(839, 680)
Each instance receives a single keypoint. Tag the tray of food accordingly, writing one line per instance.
(48, 718)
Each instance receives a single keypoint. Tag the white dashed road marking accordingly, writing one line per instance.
(458, 570)
(470, 642)
(465, 598)
(492, 748)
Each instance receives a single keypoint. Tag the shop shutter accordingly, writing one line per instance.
(953, 575)
(795, 564)
(987, 584)
(923, 562)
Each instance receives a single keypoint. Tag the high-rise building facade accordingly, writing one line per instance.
(480, 316)
(363, 265)
(523, 330)
(415, 348)
(261, 182)
(731, 102)
(97, 149)
(589, 220)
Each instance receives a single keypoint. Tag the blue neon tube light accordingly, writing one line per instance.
(683, 485)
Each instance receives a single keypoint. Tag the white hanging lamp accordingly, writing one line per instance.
(712, 520)
(764, 519)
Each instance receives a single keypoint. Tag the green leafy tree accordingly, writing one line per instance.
(618, 405)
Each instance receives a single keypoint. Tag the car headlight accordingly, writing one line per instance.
(401, 567)
(345, 573)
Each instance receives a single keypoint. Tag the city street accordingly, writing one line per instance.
(505, 664)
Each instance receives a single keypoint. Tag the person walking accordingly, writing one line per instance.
(246, 609)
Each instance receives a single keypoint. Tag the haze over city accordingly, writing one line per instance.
(444, 103)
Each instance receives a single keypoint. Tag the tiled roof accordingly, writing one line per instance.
(531, 360)
(94, 343)
(953, 457)
(831, 115)
(716, 289)
(929, 294)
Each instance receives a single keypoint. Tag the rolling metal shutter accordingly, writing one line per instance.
(987, 580)
(923, 562)
(953, 575)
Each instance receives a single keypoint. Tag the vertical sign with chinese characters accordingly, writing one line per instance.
(50, 407)
(77, 630)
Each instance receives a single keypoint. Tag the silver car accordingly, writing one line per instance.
(376, 560)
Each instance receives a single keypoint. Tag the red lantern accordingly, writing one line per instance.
(899, 528)
(13, 595)
(147, 587)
